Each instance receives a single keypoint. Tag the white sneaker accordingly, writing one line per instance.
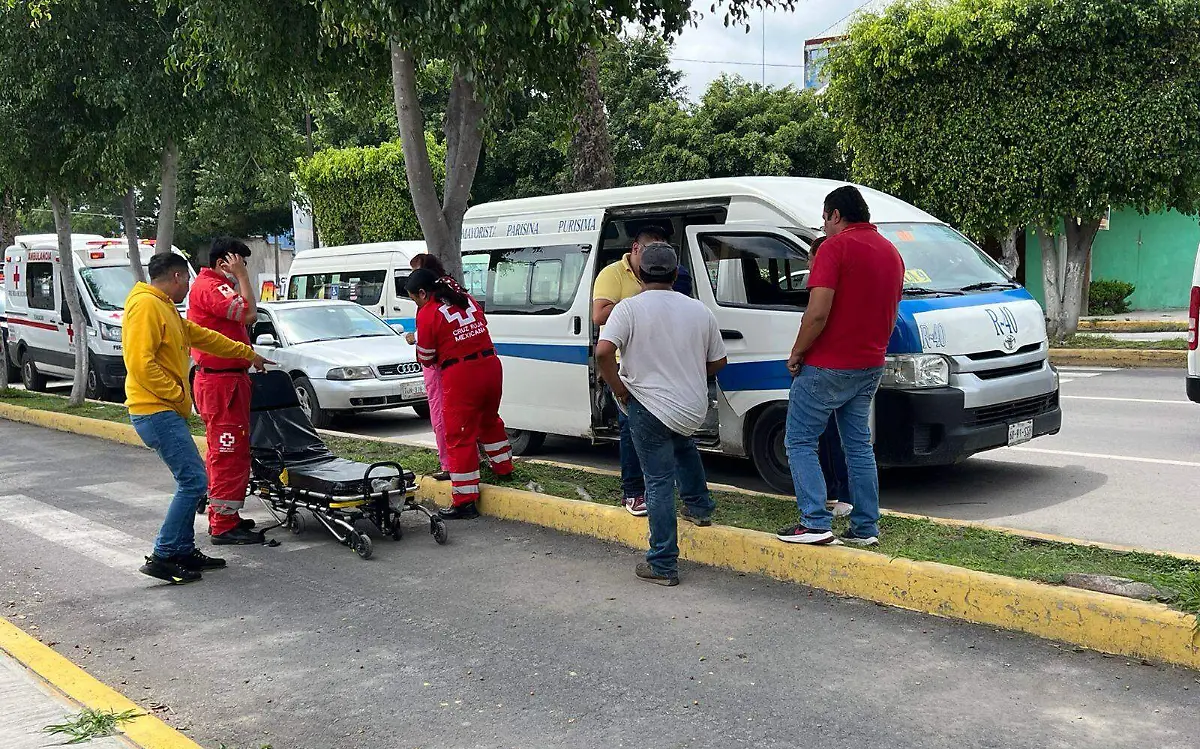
(839, 509)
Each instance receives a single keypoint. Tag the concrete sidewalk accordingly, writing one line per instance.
(29, 704)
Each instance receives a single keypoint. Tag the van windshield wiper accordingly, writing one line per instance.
(922, 291)
(990, 285)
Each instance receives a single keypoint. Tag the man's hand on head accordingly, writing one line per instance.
(235, 265)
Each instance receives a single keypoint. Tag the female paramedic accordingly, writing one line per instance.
(452, 335)
(433, 377)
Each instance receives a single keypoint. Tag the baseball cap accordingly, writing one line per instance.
(658, 263)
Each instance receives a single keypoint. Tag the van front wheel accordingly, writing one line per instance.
(524, 442)
(768, 451)
(94, 387)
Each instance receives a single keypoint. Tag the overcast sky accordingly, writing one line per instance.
(718, 46)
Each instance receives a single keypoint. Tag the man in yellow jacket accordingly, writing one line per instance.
(157, 341)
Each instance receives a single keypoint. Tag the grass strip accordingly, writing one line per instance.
(1084, 340)
(911, 538)
(1148, 326)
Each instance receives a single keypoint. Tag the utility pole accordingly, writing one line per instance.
(764, 47)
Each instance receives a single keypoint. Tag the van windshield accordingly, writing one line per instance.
(939, 259)
(109, 286)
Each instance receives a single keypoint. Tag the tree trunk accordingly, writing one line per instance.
(77, 328)
(1008, 251)
(1047, 238)
(165, 238)
(440, 223)
(1079, 237)
(591, 146)
(131, 235)
(8, 219)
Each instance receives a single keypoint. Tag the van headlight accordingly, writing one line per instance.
(916, 371)
(350, 373)
(110, 332)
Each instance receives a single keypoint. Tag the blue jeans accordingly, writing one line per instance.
(633, 482)
(846, 394)
(833, 463)
(667, 457)
(167, 433)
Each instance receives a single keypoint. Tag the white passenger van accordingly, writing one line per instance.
(41, 336)
(967, 369)
(373, 275)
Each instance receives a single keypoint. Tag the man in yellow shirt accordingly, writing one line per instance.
(156, 342)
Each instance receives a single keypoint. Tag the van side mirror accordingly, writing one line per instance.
(398, 328)
(266, 339)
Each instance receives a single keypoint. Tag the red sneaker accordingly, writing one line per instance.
(636, 506)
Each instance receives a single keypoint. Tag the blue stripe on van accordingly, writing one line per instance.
(565, 354)
(409, 323)
(755, 375)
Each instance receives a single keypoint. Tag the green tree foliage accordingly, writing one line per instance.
(740, 128)
(361, 194)
(996, 115)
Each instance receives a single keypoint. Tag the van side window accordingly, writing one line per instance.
(526, 281)
(39, 285)
(362, 286)
(755, 270)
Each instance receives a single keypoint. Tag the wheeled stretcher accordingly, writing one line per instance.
(292, 471)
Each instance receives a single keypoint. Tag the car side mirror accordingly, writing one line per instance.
(398, 328)
(266, 339)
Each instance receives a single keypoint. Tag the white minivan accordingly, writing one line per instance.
(967, 370)
(41, 336)
(372, 275)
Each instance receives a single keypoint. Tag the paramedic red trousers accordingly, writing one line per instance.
(223, 400)
(471, 403)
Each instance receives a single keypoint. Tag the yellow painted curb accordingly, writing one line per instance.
(1118, 357)
(114, 431)
(1097, 621)
(1132, 326)
(145, 731)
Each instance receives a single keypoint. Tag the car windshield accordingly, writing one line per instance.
(938, 259)
(324, 322)
(108, 287)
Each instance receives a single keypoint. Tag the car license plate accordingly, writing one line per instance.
(412, 390)
(1020, 432)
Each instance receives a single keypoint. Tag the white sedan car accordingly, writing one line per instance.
(342, 358)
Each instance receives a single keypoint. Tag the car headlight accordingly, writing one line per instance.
(350, 373)
(916, 371)
(110, 332)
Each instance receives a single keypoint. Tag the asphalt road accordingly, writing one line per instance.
(514, 636)
(1125, 469)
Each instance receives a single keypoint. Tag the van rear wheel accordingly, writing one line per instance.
(525, 442)
(14, 371)
(33, 380)
(768, 451)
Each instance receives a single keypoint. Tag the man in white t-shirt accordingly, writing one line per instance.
(670, 345)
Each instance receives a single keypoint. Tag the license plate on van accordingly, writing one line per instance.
(1020, 432)
(412, 390)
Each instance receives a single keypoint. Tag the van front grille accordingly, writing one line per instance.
(1006, 413)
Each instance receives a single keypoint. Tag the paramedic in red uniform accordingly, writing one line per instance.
(222, 300)
(452, 334)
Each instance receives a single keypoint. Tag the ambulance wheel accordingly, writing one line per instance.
(362, 545)
(296, 523)
(94, 387)
(422, 410)
(525, 442)
(768, 451)
(31, 378)
(441, 533)
(309, 404)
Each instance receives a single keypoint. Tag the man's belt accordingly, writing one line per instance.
(469, 357)
(209, 370)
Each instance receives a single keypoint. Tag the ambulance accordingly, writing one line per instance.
(371, 275)
(968, 364)
(42, 336)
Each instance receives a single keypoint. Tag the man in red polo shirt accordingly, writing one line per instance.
(222, 300)
(837, 361)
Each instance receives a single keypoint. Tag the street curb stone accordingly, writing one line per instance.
(1106, 623)
(1125, 358)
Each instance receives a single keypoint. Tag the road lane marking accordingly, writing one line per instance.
(129, 493)
(1102, 456)
(1097, 370)
(1122, 400)
(93, 540)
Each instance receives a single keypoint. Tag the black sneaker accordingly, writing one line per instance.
(647, 573)
(246, 524)
(850, 538)
(239, 536)
(168, 571)
(466, 511)
(441, 476)
(687, 515)
(798, 534)
(198, 561)
(202, 505)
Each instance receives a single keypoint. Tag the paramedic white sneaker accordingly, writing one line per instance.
(636, 506)
(850, 537)
(838, 508)
(798, 534)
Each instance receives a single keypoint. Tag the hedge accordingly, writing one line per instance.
(361, 194)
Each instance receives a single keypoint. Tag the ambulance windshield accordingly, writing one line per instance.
(938, 259)
(109, 286)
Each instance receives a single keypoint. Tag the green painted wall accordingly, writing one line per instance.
(1155, 253)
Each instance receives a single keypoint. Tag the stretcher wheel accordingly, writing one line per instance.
(362, 545)
(397, 531)
(440, 532)
(296, 523)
